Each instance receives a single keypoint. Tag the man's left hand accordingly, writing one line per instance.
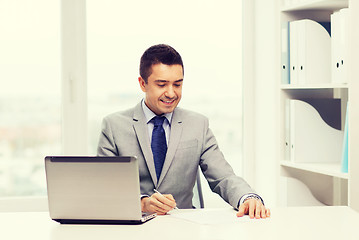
(254, 208)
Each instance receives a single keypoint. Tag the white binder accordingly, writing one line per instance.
(344, 36)
(296, 193)
(310, 56)
(287, 144)
(293, 55)
(335, 46)
(339, 46)
(311, 138)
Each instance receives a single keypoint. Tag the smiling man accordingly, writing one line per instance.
(170, 143)
(163, 88)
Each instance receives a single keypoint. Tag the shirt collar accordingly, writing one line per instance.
(149, 114)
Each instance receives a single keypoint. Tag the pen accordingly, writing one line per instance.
(161, 195)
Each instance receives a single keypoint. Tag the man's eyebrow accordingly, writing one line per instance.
(164, 81)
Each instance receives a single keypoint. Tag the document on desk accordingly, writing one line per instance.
(210, 216)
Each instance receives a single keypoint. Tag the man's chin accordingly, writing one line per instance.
(165, 110)
(168, 108)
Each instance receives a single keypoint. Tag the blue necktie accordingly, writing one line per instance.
(158, 144)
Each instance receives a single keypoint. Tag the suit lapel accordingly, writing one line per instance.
(175, 136)
(140, 126)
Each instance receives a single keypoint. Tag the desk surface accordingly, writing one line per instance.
(285, 223)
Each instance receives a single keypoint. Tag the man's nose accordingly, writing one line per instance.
(170, 93)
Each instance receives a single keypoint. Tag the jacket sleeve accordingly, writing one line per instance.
(106, 145)
(219, 174)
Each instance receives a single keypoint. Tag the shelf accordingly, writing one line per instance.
(317, 5)
(315, 91)
(314, 86)
(329, 169)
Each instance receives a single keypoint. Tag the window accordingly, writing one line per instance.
(30, 113)
(206, 33)
(208, 36)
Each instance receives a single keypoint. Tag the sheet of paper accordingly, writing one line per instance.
(211, 216)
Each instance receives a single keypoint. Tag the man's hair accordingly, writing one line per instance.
(156, 54)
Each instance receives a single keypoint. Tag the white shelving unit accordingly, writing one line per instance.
(315, 5)
(316, 86)
(328, 169)
(353, 108)
(326, 181)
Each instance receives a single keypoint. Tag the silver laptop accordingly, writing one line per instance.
(94, 190)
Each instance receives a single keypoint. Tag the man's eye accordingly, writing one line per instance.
(161, 85)
(177, 85)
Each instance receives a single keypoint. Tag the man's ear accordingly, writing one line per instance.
(142, 83)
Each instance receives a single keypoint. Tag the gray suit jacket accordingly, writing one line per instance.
(191, 144)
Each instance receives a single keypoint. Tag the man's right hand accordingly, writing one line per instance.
(158, 203)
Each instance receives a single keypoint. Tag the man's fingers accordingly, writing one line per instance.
(254, 208)
(169, 197)
(166, 199)
(158, 210)
(172, 202)
(263, 212)
(243, 209)
(160, 202)
(258, 210)
(251, 209)
(268, 212)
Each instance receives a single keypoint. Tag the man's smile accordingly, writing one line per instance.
(168, 102)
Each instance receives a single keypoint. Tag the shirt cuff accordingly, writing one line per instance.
(249, 195)
(143, 196)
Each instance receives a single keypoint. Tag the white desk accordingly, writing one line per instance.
(303, 223)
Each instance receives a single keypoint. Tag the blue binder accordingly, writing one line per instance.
(285, 53)
(345, 145)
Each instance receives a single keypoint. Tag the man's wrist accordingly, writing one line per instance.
(143, 202)
(143, 196)
(249, 196)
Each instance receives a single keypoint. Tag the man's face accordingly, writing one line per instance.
(163, 88)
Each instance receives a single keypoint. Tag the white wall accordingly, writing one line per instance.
(263, 82)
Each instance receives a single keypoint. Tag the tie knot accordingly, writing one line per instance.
(158, 120)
